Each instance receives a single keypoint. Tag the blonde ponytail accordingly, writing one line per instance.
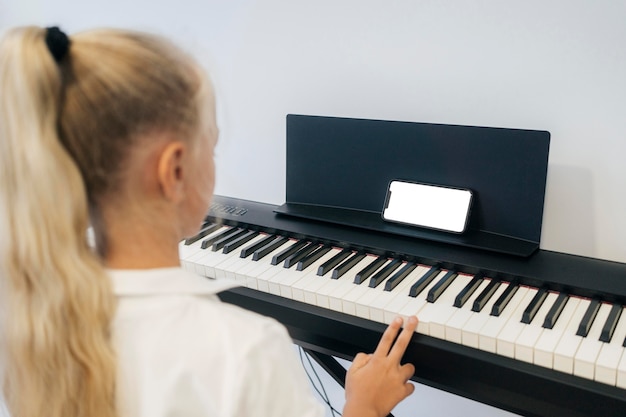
(65, 129)
(56, 300)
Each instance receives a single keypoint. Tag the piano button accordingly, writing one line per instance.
(237, 243)
(288, 251)
(546, 345)
(436, 314)
(456, 323)
(436, 291)
(214, 237)
(312, 257)
(531, 332)
(488, 335)
(529, 313)
(588, 318)
(556, 310)
(300, 254)
(269, 248)
(471, 330)
(504, 299)
(569, 342)
(400, 297)
(424, 281)
(607, 365)
(611, 322)
(333, 262)
(399, 276)
(347, 265)
(485, 295)
(383, 273)
(366, 272)
(251, 248)
(511, 326)
(368, 305)
(205, 231)
(231, 237)
(468, 291)
(587, 353)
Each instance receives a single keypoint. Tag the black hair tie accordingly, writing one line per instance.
(58, 42)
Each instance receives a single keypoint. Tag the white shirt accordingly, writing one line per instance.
(183, 352)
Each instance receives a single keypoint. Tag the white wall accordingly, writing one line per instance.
(551, 65)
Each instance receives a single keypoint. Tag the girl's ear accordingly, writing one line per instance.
(171, 171)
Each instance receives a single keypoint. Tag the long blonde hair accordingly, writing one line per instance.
(65, 131)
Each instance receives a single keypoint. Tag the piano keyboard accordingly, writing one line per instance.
(571, 334)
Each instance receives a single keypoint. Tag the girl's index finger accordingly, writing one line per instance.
(398, 349)
(386, 341)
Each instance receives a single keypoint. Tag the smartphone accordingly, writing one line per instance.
(426, 205)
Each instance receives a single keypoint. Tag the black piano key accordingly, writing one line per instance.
(587, 321)
(531, 310)
(611, 322)
(440, 287)
(381, 275)
(423, 282)
(399, 276)
(207, 243)
(288, 251)
(312, 257)
(484, 297)
(503, 301)
(333, 262)
(220, 243)
(301, 253)
(347, 265)
(234, 244)
(467, 292)
(365, 273)
(555, 311)
(249, 250)
(269, 248)
(205, 231)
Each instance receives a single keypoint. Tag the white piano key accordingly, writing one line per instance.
(488, 335)
(414, 305)
(470, 332)
(546, 345)
(305, 287)
(227, 268)
(401, 295)
(587, 353)
(249, 274)
(380, 299)
(194, 251)
(568, 344)
(611, 353)
(434, 315)
(349, 301)
(530, 333)
(335, 299)
(505, 343)
(454, 325)
(621, 370)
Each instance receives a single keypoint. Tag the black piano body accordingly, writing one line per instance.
(499, 381)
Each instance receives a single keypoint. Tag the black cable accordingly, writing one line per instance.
(322, 393)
